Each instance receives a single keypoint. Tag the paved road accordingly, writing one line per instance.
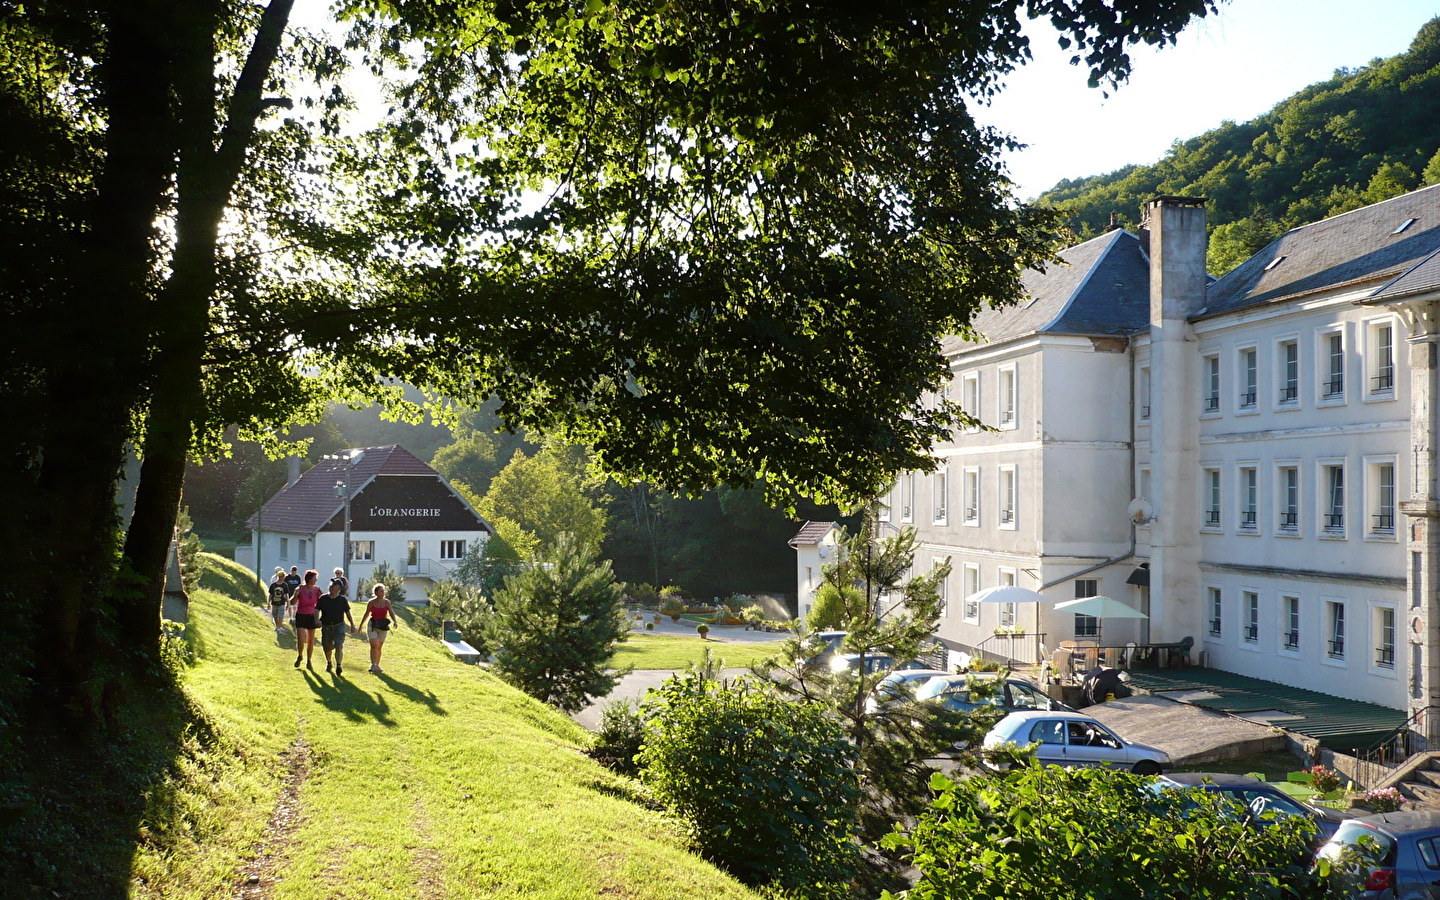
(684, 628)
(633, 687)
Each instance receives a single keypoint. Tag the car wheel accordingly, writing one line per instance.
(1146, 767)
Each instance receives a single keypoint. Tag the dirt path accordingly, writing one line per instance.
(257, 878)
(429, 865)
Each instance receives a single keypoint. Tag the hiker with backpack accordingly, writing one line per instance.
(334, 613)
(279, 595)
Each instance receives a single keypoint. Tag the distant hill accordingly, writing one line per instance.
(1362, 136)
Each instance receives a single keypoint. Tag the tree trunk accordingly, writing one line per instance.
(94, 379)
(205, 181)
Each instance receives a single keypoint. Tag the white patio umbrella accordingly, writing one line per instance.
(1102, 608)
(1006, 593)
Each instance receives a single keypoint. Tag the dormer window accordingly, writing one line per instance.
(1403, 225)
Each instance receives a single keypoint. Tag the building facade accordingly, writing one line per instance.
(1250, 461)
(402, 512)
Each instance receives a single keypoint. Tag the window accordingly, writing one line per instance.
(1007, 496)
(1289, 499)
(452, 549)
(1248, 375)
(1251, 600)
(284, 548)
(1334, 486)
(1249, 496)
(1212, 384)
(1214, 602)
(1007, 397)
(972, 587)
(1335, 626)
(1212, 499)
(942, 587)
(362, 551)
(1382, 515)
(939, 483)
(970, 396)
(1289, 372)
(1384, 637)
(883, 504)
(1143, 390)
(1334, 385)
(1290, 625)
(1009, 612)
(972, 497)
(1382, 355)
(1142, 483)
(1086, 626)
(412, 554)
(907, 497)
(301, 555)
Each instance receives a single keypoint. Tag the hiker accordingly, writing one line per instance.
(293, 581)
(307, 597)
(378, 614)
(334, 613)
(339, 575)
(279, 594)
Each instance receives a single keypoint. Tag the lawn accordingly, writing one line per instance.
(671, 651)
(434, 780)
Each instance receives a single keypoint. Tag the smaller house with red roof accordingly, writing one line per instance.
(402, 512)
(817, 544)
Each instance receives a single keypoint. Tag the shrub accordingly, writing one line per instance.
(835, 607)
(704, 631)
(753, 615)
(737, 602)
(1325, 780)
(383, 574)
(1043, 831)
(649, 626)
(1383, 800)
(556, 626)
(645, 595)
(766, 786)
(672, 606)
(466, 606)
(621, 735)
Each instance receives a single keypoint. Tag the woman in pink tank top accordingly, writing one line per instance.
(307, 597)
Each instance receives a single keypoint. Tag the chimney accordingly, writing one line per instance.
(1175, 227)
(292, 473)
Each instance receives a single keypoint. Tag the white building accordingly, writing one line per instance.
(401, 511)
(1250, 461)
(816, 546)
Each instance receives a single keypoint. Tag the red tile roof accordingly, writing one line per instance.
(810, 533)
(305, 506)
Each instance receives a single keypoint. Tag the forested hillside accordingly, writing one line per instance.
(1360, 137)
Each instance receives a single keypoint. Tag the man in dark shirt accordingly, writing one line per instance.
(293, 582)
(344, 582)
(334, 611)
(279, 593)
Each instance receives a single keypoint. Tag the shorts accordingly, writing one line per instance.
(277, 610)
(305, 620)
(376, 634)
(332, 637)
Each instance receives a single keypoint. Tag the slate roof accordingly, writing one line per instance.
(305, 506)
(1103, 288)
(810, 533)
(1353, 247)
(1423, 278)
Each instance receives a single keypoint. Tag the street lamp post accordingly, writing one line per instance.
(342, 490)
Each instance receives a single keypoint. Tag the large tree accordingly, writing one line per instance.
(715, 241)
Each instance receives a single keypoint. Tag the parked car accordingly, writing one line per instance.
(874, 662)
(889, 688)
(819, 646)
(1389, 856)
(1259, 798)
(1011, 694)
(1073, 739)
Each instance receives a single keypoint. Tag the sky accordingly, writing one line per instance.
(1236, 65)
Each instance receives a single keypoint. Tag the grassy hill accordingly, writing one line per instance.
(434, 780)
(1362, 136)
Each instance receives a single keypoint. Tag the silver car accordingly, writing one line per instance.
(1075, 739)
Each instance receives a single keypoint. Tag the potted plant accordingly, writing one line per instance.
(672, 607)
(704, 631)
(650, 626)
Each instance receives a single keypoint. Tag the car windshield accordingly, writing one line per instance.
(948, 686)
(1355, 842)
(1260, 802)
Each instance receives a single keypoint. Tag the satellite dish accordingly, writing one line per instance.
(1140, 511)
(824, 551)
